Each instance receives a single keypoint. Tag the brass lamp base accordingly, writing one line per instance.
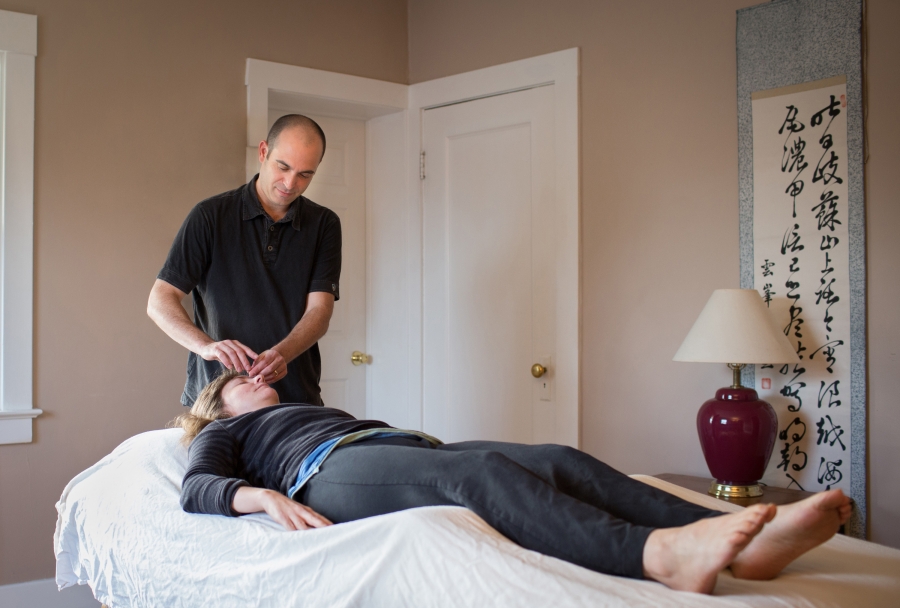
(726, 492)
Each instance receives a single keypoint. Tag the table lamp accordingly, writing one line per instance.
(737, 430)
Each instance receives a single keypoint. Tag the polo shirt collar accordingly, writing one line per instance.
(252, 207)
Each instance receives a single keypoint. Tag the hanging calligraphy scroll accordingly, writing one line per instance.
(801, 267)
(803, 232)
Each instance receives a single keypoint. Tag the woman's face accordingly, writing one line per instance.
(244, 394)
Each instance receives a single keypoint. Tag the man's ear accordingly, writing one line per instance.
(263, 151)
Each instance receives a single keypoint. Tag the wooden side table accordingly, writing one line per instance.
(773, 495)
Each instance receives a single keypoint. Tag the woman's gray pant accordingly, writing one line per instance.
(552, 499)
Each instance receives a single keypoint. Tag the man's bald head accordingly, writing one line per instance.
(303, 124)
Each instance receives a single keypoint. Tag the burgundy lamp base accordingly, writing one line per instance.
(737, 434)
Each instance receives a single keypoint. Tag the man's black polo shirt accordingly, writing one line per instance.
(250, 278)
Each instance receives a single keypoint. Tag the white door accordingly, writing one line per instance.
(340, 185)
(488, 268)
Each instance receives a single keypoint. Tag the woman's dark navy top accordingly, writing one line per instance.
(262, 449)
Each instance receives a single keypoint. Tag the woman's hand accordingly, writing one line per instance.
(289, 513)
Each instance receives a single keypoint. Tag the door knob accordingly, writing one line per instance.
(538, 370)
(359, 358)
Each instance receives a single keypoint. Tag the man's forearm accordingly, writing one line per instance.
(272, 363)
(307, 332)
(164, 307)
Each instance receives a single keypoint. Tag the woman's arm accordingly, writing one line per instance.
(213, 473)
(289, 513)
(213, 485)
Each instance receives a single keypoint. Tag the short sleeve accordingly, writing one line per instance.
(326, 274)
(190, 254)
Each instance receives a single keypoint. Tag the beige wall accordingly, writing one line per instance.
(659, 206)
(141, 112)
(883, 265)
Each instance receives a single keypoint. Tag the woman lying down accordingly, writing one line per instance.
(308, 466)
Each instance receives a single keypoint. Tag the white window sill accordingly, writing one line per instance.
(16, 425)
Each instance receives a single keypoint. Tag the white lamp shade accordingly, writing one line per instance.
(735, 327)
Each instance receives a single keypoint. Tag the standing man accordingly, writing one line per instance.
(263, 264)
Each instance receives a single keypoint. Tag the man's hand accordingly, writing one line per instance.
(164, 307)
(270, 364)
(290, 514)
(230, 353)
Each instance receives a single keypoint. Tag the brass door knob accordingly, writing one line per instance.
(538, 370)
(359, 358)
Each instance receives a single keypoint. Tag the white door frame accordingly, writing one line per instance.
(394, 115)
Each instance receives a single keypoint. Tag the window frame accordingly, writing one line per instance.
(18, 49)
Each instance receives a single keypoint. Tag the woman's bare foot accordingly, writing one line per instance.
(690, 557)
(796, 529)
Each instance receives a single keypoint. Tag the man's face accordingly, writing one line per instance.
(287, 168)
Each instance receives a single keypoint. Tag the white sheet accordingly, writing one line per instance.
(121, 531)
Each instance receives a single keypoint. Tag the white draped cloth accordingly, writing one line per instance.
(121, 530)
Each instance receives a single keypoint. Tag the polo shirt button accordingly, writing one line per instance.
(270, 248)
(272, 227)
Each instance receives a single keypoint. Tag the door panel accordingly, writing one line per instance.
(488, 265)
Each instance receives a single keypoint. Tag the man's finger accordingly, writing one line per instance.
(268, 372)
(243, 353)
(249, 351)
(223, 358)
(233, 359)
(261, 361)
(237, 353)
(257, 366)
(270, 365)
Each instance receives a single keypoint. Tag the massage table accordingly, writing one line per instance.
(121, 530)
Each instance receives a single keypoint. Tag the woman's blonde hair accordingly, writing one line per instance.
(209, 406)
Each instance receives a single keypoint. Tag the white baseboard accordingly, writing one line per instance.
(43, 594)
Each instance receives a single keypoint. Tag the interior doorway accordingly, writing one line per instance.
(489, 269)
(394, 240)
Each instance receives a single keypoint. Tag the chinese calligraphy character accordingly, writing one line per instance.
(826, 210)
(828, 349)
(792, 158)
(791, 242)
(792, 389)
(792, 434)
(826, 293)
(833, 109)
(829, 472)
(829, 392)
(829, 436)
(828, 242)
(767, 294)
(793, 125)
